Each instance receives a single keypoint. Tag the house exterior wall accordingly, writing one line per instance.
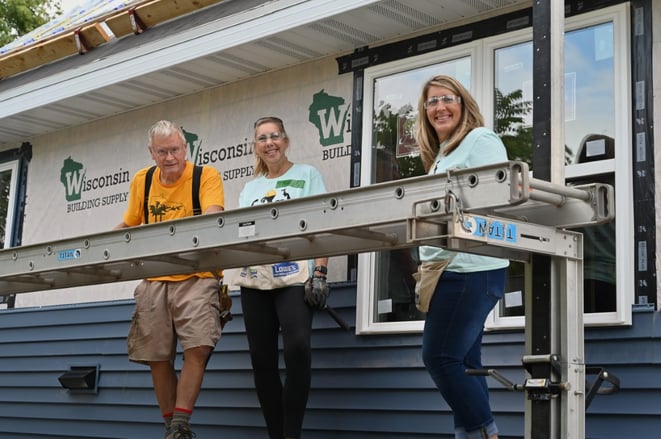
(362, 386)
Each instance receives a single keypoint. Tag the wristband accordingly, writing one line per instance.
(321, 269)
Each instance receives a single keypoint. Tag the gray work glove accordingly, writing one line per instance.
(316, 292)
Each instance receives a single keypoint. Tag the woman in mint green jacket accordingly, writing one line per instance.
(451, 134)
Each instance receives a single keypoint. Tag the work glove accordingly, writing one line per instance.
(316, 292)
(225, 305)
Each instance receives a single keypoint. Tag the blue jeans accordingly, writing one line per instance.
(452, 343)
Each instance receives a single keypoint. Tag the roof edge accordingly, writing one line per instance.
(131, 19)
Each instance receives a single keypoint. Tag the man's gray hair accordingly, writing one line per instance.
(165, 128)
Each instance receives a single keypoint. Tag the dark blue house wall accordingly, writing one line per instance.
(372, 386)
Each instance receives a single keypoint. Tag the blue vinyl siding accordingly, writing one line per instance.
(363, 387)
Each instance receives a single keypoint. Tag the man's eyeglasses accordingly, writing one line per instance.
(433, 101)
(273, 136)
(163, 152)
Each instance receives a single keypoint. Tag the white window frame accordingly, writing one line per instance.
(11, 202)
(366, 261)
(482, 82)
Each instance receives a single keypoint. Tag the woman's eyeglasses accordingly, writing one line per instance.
(433, 101)
(273, 136)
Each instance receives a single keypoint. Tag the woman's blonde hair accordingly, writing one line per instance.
(425, 134)
(260, 165)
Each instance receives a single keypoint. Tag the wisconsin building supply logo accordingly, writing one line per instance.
(77, 184)
(330, 115)
(193, 145)
(216, 154)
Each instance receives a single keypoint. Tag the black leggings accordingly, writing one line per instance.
(265, 313)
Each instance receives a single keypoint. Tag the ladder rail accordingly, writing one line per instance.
(376, 217)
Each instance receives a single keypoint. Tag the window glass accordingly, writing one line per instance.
(589, 125)
(512, 100)
(498, 72)
(589, 92)
(395, 156)
(589, 95)
(7, 189)
(599, 261)
(7, 197)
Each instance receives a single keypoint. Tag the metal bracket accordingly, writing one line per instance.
(509, 385)
(595, 388)
(137, 24)
(81, 44)
(543, 389)
(538, 389)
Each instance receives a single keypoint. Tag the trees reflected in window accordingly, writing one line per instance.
(589, 124)
(394, 156)
(5, 213)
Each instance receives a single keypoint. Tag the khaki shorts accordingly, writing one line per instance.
(165, 311)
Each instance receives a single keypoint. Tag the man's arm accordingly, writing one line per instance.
(214, 208)
(210, 209)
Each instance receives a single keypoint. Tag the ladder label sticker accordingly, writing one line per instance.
(68, 255)
(246, 229)
(491, 230)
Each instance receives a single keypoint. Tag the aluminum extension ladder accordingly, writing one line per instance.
(496, 210)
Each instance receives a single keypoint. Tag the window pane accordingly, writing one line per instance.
(589, 133)
(599, 262)
(513, 123)
(589, 95)
(589, 92)
(512, 100)
(5, 188)
(395, 156)
(395, 109)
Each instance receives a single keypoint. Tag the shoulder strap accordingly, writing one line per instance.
(145, 205)
(197, 176)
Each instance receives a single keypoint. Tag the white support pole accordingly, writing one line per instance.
(569, 321)
(567, 274)
(557, 92)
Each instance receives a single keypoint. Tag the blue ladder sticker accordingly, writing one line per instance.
(510, 233)
(68, 255)
(495, 230)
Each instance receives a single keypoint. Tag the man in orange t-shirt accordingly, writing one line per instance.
(177, 307)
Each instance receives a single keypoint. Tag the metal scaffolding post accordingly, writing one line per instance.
(550, 349)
